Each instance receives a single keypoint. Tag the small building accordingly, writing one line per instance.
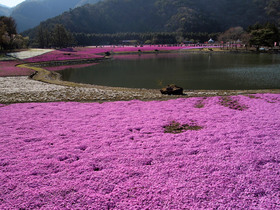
(238, 41)
(211, 41)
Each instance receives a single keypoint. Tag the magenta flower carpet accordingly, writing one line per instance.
(59, 55)
(98, 52)
(8, 68)
(120, 155)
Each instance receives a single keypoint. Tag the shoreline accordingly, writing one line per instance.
(24, 90)
(46, 85)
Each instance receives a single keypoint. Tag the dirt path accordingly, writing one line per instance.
(29, 53)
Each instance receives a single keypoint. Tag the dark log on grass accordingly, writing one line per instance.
(172, 90)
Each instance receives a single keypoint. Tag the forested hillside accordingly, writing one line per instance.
(112, 16)
(31, 12)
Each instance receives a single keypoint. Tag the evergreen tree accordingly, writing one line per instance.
(264, 35)
(60, 36)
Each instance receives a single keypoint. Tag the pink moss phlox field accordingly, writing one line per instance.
(115, 155)
(97, 52)
(8, 68)
(62, 55)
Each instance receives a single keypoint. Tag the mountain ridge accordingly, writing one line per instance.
(117, 16)
(4, 10)
(30, 13)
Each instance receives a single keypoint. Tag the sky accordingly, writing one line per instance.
(10, 3)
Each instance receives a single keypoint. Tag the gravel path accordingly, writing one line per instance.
(10, 85)
(23, 89)
(29, 53)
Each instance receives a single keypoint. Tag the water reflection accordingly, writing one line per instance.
(191, 71)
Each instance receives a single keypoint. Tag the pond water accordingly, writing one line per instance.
(221, 71)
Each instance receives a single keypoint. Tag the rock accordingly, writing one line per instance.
(172, 90)
(33, 74)
(107, 53)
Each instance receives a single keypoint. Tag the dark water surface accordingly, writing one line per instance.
(188, 70)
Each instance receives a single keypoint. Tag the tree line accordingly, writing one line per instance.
(58, 37)
(142, 38)
(9, 38)
(256, 35)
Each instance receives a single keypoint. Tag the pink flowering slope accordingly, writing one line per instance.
(8, 68)
(78, 53)
(116, 155)
(94, 52)
(58, 55)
